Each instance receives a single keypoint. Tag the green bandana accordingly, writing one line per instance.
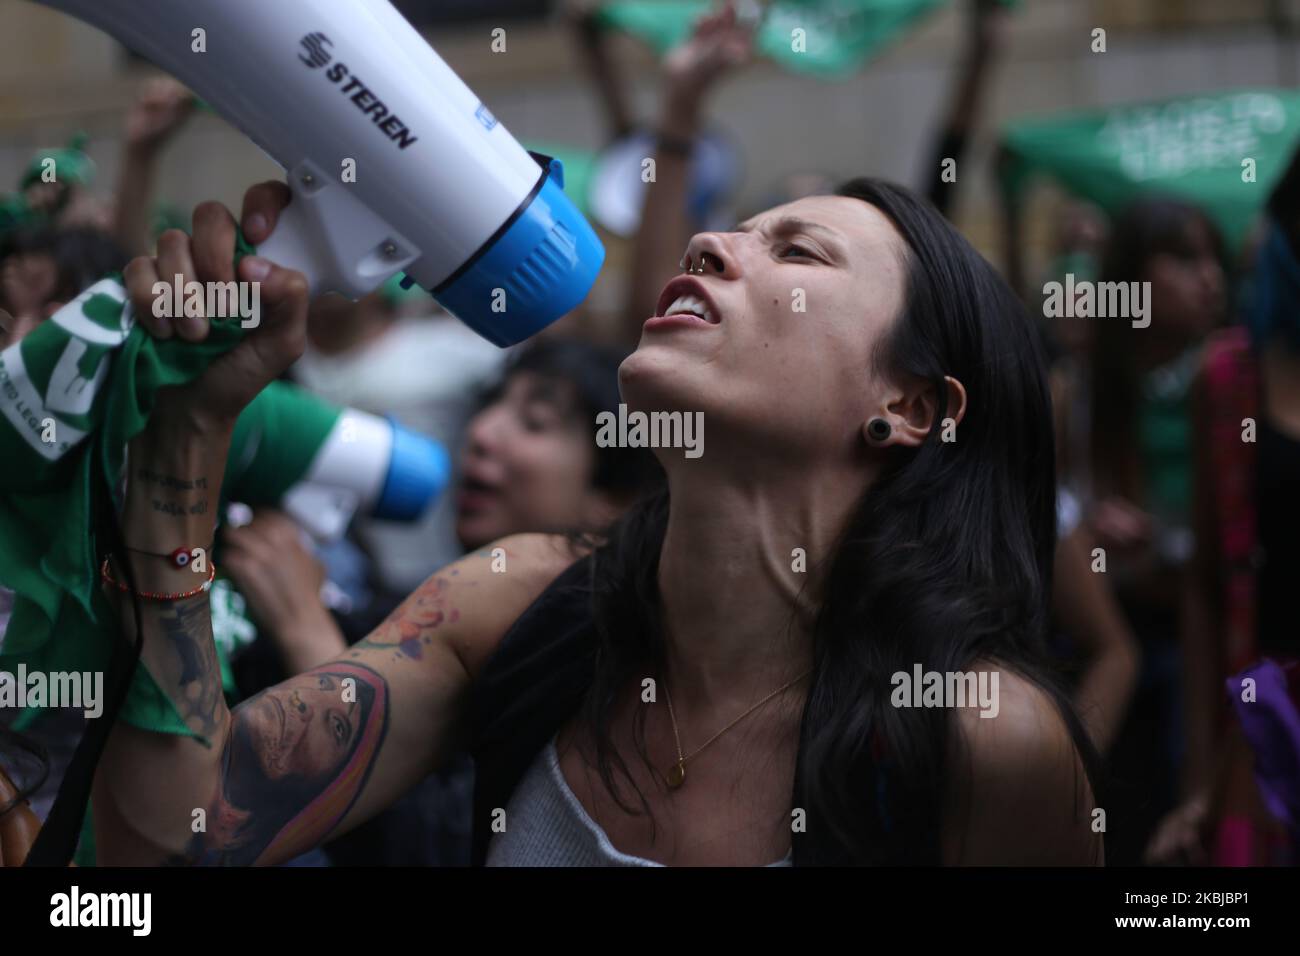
(72, 395)
(68, 164)
(822, 37)
(1194, 148)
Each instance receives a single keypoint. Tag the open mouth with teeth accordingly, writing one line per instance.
(686, 298)
(691, 305)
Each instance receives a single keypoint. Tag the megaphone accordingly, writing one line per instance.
(393, 162)
(323, 465)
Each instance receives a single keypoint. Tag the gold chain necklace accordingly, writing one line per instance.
(676, 776)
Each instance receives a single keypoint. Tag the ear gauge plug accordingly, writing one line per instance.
(878, 429)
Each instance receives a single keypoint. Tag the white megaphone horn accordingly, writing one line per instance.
(441, 191)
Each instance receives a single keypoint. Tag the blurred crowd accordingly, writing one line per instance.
(1174, 553)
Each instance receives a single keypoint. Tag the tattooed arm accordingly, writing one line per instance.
(321, 752)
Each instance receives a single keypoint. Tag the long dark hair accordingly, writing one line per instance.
(82, 255)
(947, 560)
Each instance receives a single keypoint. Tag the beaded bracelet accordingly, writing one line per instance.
(154, 595)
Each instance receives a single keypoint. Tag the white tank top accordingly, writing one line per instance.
(546, 825)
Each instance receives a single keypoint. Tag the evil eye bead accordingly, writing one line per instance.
(180, 557)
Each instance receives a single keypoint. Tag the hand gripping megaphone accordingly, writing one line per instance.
(393, 162)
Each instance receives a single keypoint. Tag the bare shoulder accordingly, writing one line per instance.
(1020, 793)
(453, 622)
(1024, 725)
(495, 584)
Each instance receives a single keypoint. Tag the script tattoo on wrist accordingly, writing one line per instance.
(178, 510)
(173, 495)
(296, 759)
(171, 481)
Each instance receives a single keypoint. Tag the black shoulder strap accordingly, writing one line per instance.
(529, 688)
(56, 843)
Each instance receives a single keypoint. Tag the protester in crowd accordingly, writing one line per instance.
(423, 369)
(918, 551)
(155, 117)
(721, 43)
(66, 203)
(1143, 363)
(985, 35)
(1142, 373)
(54, 191)
(1239, 601)
(530, 462)
(1090, 624)
(43, 267)
(1079, 242)
(607, 81)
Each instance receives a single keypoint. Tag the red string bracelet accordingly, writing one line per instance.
(154, 595)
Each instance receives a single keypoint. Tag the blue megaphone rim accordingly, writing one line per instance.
(419, 472)
(546, 260)
(551, 168)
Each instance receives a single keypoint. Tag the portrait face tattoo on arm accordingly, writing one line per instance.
(296, 760)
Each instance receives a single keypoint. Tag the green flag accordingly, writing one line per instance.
(72, 394)
(1222, 151)
(822, 37)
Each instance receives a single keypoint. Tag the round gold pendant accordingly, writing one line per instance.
(677, 775)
